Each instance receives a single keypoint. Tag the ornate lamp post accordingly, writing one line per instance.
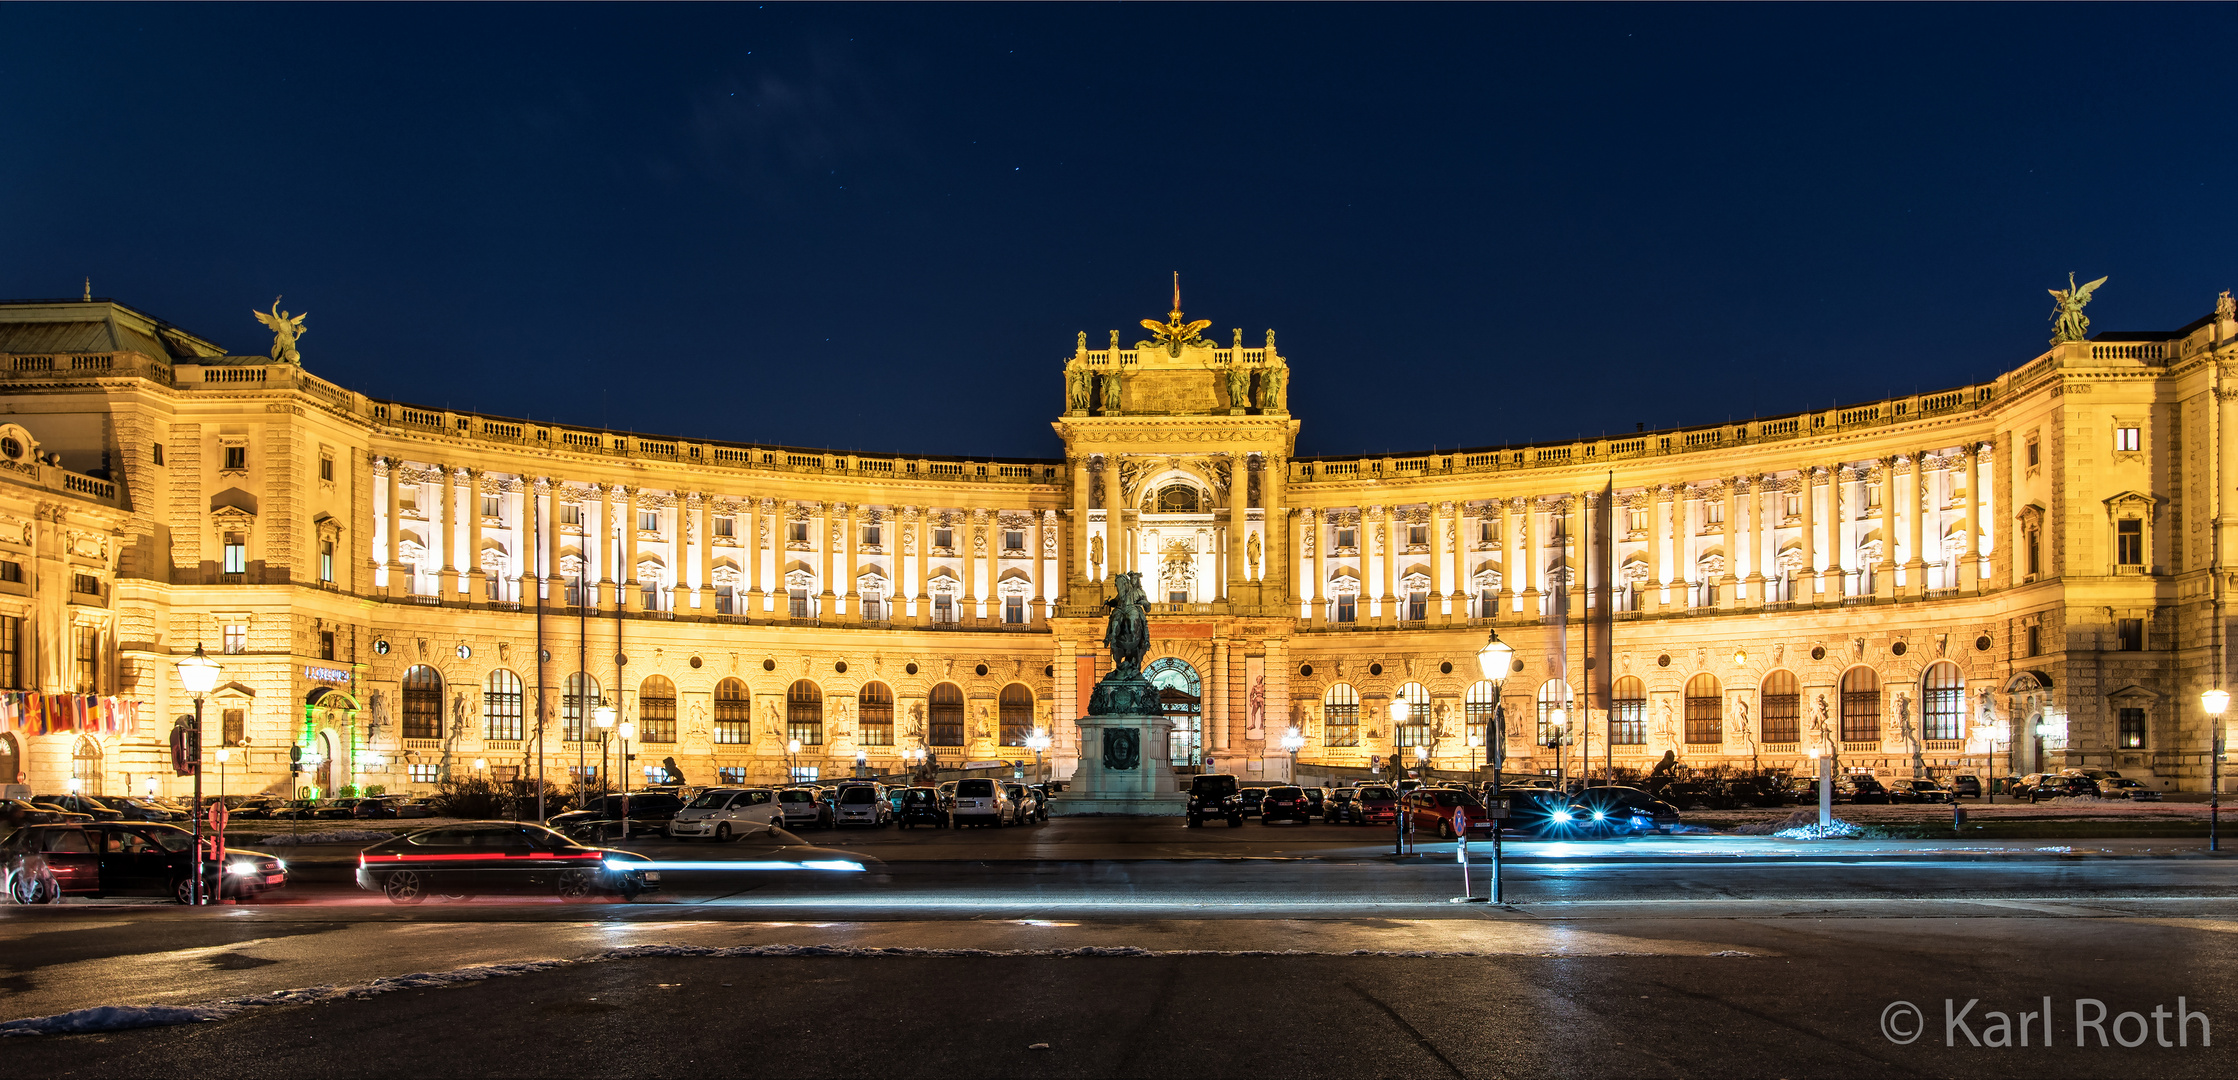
(1293, 742)
(602, 715)
(2214, 701)
(792, 761)
(1398, 715)
(198, 674)
(1038, 742)
(862, 763)
(1494, 661)
(626, 731)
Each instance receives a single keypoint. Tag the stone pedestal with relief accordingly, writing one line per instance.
(1126, 762)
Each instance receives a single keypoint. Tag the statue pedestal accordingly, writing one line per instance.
(1126, 764)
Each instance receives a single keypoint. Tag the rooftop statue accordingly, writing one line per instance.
(1174, 333)
(286, 331)
(2068, 321)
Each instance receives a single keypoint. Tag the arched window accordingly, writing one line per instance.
(1477, 708)
(1340, 716)
(85, 765)
(1779, 708)
(1705, 710)
(656, 710)
(1628, 712)
(1942, 702)
(423, 703)
(804, 713)
(1416, 730)
(1861, 705)
(576, 704)
(947, 716)
(874, 709)
(501, 707)
(1554, 705)
(734, 713)
(1017, 709)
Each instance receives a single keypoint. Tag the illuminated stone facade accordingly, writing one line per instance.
(409, 592)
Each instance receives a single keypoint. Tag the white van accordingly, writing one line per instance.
(982, 802)
(727, 813)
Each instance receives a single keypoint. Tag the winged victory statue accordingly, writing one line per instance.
(2068, 321)
(286, 331)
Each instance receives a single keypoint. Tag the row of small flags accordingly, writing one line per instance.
(35, 713)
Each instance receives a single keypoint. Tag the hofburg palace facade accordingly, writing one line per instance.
(2024, 574)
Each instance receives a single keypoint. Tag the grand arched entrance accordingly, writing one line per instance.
(1181, 695)
(329, 732)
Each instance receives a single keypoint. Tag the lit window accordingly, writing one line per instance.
(85, 584)
(1488, 533)
(326, 560)
(2034, 454)
(2133, 729)
(1418, 536)
(1348, 608)
(492, 506)
(236, 554)
(236, 637)
(1348, 537)
(650, 521)
(429, 773)
(2126, 439)
(726, 525)
(326, 468)
(571, 514)
(944, 608)
(732, 774)
(1717, 513)
(873, 535)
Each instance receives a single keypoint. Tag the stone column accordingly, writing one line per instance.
(554, 542)
(1576, 509)
(1884, 584)
(400, 582)
(443, 532)
(912, 548)
(1076, 568)
(1508, 561)
(1308, 572)
(1527, 561)
(477, 580)
(1239, 498)
(972, 545)
(1728, 583)
(1657, 526)
(1975, 565)
(1216, 699)
(1047, 559)
(1115, 547)
(848, 540)
(1806, 582)
(632, 597)
(703, 523)
(1841, 558)
(821, 556)
(596, 558)
(1441, 576)
(1915, 507)
(1274, 501)
(1761, 538)
(534, 490)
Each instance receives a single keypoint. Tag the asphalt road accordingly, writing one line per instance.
(1262, 954)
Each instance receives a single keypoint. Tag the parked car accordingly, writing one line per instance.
(723, 814)
(648, 813)
(803, 807)
(1760, 791)
(1431, 809)
(83, 804)
(1249, 798)
(1317, 798)
(1966, 786)
(1030, 806)
(921, 806)
(1616, 810)
(947, 789)
(1342, 807)
(2123, 788)
(1803, 791)
(373, 809)
(397, 806)
(1695, 795)
(16, 813)
(255, 809)
(1859, 788)
(2063, 787)
(1379, 804)
(498, 856)
(1041, 794)
(1214, 795)
(336, 809)
(980, 801)
(861, 804)
(1285, 804)
(110, 858)
(1917, 791)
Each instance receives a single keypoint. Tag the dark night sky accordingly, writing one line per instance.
(878, 227)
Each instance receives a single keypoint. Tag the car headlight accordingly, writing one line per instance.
(242, 868)
(1562, 816)
(1599, 816)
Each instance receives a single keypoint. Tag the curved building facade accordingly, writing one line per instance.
(2022, 574)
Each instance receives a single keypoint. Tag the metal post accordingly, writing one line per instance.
(1496, 752)
(195, 893)
(2214, 790)
(1825, 792)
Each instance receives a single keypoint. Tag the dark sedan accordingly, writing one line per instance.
(1859, 788)
(18, 812)
(1252, 796)
(111, 858)
(82, 804)
(2063, 787)
(1615, 810)
(919, 806)
(1285, 804)
(498, 857)
(1917, 791)
(1379, 804)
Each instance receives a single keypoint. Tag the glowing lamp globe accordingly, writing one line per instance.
(1495, 658)
(198, 673)
(2215, 701)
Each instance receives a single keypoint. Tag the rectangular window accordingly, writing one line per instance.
(1705, 719)
(89, 660)
(1177, 596)
(1628, 721)
(2129, 542)
(408, 498)
(571, 514)
(2129, 635)
(326, 560)
(326, 468)
(2035, 641)
(796, 532)
(1418, 536)
(1872, 496)
(424, 772)
(656, 719)
(650, 521)
(236, 727)
(726, 526)
(944, 609)
(586, 773)
(2126, 440)
(1794, 506)
(493, 506)
(726, 599)
(1418, 607)
(326, 644)
(236, 458)
(1861, 716)
(943, 537)
(10, 570)
(11, 634)
(2035, 553)
(805, 774)
(1348, 537)
(799, 603)
(1014, 540)
(650, 594)
(236, 554)
(501, 711)
(2034, 455)
(85, 584)
(1014, 610)
(236, 638)
(2133, 729)
(1348, 608)
(1487, 533)
(731, 774)
(158, 453)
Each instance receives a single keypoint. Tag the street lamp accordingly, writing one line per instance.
(1494, 661)
(198, 674)
(602, 715)
(2214, 701)
(1293, 742)
(792, 761)
(1039, 741)
(1398, 713)
(1559, 721)
(150, 785)
(862, 763)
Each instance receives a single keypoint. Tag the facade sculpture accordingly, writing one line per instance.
(286, 331)
(2068, 321)
(375, 575)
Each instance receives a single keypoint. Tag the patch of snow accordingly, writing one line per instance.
(1837, 830)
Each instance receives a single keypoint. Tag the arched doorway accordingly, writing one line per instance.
(85, 765)
(11, 761)
(330, 771)
(332, 716)
(1181, 695)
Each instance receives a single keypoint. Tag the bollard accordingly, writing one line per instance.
(1957, 817)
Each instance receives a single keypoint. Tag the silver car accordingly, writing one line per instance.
(802, 807)
(727, 813)
(982, 802)
(862, 804)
